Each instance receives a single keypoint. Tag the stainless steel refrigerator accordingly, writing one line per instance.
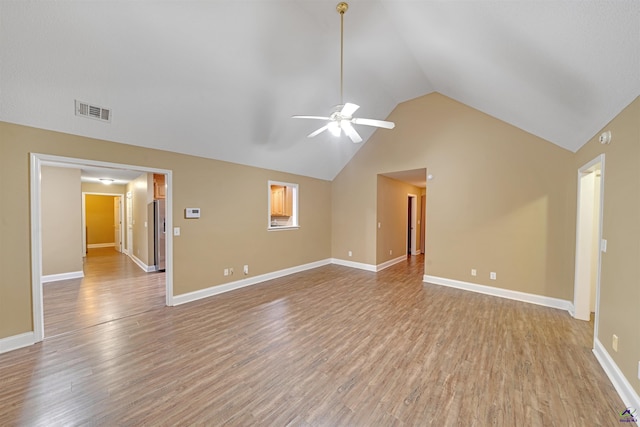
(159, 234)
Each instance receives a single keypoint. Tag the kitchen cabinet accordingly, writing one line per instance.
(159, 187)
(281, 201)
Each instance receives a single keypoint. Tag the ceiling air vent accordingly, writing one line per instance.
(92, 111)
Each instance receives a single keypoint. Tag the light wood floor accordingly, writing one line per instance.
(113, 287)
(330, 346)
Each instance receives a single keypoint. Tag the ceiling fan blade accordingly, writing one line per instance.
(311, 117)
(348, 109)
(351, 132)
(372, 122)
(319, 131)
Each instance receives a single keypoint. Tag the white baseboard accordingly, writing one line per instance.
(353, 264)
(617, 378)
(62, 276)
(219, 289)
(142, 265)
(502, 293)
(391, 262)
(101, 245)
(368, 267)
(17, 341)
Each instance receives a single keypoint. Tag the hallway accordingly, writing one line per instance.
(113, 287)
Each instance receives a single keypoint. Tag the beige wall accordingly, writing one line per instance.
(620, 270)
(61, 209)
(392, 216)
(232, 231)
(501, 199)
(100, 219)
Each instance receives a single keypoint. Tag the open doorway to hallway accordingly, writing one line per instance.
(589, 240)
(106, 284)
(400, 216)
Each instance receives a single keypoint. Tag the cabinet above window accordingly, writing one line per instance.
(283, 205)
(281, 201)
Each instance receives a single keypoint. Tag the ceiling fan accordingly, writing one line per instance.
(341, 119)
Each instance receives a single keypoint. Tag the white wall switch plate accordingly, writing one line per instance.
(176, 231)
(603, 245)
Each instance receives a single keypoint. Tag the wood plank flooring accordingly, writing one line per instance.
(332, 346)
(113, 287)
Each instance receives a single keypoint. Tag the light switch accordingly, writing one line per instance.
(176, 231)
(603, 245)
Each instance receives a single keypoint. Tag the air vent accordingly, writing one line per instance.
(85, 109)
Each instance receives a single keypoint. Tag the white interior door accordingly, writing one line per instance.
(117, 222)
(129, 224)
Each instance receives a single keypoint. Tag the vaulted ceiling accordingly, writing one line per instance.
(221, 78)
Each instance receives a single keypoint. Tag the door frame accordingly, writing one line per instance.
(412, 231)
(582, 290)
(37, 160)
(84, 216)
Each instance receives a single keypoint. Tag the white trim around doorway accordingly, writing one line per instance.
(580, 288)
(37, 160)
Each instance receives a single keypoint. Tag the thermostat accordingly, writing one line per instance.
(192, 213)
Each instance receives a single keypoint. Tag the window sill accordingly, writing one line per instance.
(283, 227)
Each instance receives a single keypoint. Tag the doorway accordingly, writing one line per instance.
(37, 161)
(102, 220)
(588, 240)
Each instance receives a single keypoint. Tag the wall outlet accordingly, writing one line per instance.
(474, 272)
(390, 252)
(246, 269)
(226, 271)
(492, 275)
(614, 342)
(350, 253)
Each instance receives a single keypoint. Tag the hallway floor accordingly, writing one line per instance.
(113, 287)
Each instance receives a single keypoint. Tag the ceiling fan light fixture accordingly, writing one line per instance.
(342, 116)
(335, 128)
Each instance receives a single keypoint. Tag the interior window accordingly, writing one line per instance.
(283, 205)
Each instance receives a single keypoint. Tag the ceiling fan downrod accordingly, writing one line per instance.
(342, 7)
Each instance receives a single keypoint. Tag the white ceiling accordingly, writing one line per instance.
(221, 78)
(97, 174)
